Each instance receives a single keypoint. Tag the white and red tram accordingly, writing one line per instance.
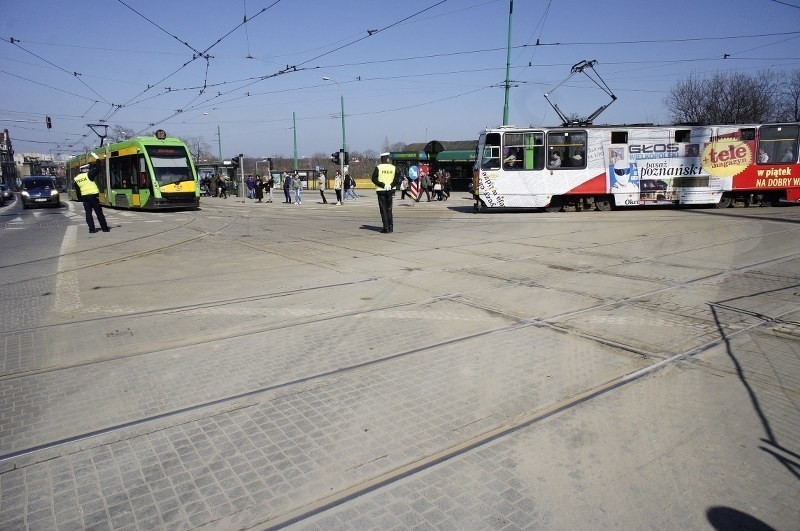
(600, 167)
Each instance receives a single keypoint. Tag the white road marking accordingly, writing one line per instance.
(68, 296)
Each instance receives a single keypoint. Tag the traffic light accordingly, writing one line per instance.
(335, 157)
(346, 158)
(269, 162)
(235, 162)
(48, 122)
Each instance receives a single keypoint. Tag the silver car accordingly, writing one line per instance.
(39, 190)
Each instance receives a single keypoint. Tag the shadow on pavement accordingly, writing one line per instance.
(728, 519)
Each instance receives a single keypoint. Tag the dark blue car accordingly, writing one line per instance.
(39, 190)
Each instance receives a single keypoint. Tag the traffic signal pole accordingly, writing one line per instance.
(344, 145)
(241, 169)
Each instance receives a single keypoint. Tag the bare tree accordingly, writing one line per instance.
(686, 101)
(788, 108)
(198, 147)
(723, 98)
(397, 146)
(118, 133)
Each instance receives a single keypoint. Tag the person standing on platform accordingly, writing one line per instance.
(287, 188)
(386, 180)
(251, 184)
(223, 187)
(337, 187)
(321, 185)
(89, 195)
(269, 184)
(258, 187)
(297, 184)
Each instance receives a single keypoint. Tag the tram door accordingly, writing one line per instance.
(141, 181)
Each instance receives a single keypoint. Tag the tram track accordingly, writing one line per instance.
(130, 430)
(268, 296)
(516, 324)
(498, 432)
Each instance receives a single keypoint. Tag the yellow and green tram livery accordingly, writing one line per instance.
(149, 173)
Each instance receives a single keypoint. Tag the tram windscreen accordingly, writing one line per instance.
(170, 164)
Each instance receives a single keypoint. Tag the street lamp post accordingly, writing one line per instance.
(344, 141)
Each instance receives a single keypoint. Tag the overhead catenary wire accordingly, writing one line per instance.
(206, 85)
(74, 74)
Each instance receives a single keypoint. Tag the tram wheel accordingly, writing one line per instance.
(724, 201)
(556, 205)
(603, 204)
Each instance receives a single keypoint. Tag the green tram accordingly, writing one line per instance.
(148, 173)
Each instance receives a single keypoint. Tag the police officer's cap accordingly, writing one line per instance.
(84, 167)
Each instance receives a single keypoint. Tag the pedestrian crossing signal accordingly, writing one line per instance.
(335, 157)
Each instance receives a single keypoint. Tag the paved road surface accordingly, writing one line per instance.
(269, 365)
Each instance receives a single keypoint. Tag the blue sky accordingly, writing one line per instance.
(433, 70)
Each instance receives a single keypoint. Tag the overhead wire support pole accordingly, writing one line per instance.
(219, 143)
(294, 129)
(508, 62)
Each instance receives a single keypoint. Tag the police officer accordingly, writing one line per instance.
(386, 180)
(89, 194)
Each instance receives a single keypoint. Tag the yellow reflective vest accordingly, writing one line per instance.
(385, 176)
(86, 185)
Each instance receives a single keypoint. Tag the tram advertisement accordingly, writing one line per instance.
(661, 173)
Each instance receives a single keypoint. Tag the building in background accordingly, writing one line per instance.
(8, 170)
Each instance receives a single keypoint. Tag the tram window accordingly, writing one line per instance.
(683, 135)
(491, 152)
(778, 144)
(567, 149)
(619, 137)
(746, 135)
(523, 151)
(122, 172)
(144, 180)
(170, 165)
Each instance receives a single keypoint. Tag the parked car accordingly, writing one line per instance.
(39, 190)
(6, 192)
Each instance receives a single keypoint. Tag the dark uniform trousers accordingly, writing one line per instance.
(385, 206)
(92, 203)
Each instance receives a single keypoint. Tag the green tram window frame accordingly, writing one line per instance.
(523, 151)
